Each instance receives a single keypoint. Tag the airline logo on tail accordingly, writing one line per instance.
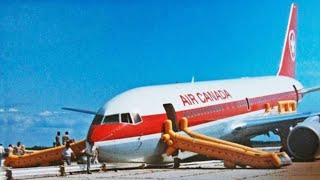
(292, 45)
(288, 58)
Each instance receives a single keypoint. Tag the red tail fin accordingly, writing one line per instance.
(288, 58)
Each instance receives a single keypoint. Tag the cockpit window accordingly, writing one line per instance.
(111, 119)
(131, 118)
(97, 119)
(136, 118)
(126, 118)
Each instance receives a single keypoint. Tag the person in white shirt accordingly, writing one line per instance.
(10, 149)
(1, 154)
(67, 153)
(65, 138)
(94, 159)
(89, 152)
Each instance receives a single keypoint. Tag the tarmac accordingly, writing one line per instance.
(213, 169)
(208, 170)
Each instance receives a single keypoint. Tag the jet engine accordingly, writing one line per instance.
(304, 139)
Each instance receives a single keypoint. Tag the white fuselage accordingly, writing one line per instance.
(212, 107)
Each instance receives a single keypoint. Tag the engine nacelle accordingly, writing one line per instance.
(304, 139)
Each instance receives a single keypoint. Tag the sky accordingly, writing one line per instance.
(80, 54)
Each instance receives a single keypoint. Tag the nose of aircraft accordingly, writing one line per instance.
(103, 132)
(90, 137)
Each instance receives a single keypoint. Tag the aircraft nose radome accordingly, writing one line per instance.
(103, 132)
(90, 135)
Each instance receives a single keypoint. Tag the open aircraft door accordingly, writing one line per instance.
(171, 114)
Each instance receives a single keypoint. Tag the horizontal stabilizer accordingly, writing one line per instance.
(309, 90)
(79, 110)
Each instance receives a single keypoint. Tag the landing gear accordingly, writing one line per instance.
(283, 133)
(176, 163)
(246, 142)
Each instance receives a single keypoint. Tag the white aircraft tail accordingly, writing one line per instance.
(288, 58)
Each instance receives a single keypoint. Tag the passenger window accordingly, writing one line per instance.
(97, 120)
(111, 119)
(126, 118)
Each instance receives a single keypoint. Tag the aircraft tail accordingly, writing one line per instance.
(288, 58)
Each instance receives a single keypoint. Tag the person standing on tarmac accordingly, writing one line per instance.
(67, 153)
(1, 154)
(89, 152)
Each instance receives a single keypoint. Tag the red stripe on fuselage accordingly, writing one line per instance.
(152, 124)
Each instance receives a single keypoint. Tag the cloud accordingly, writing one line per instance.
(29, 127)
(46, 113)
(1, 110)
(13, 110)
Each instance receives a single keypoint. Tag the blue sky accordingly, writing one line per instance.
(81, 54)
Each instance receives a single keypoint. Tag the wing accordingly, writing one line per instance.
(256, 126)
(249, 128)
(310, 90)
(80, 110)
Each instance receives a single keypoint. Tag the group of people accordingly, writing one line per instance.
(65, 139)
(15, 150)
(91, 151)
(19, 149)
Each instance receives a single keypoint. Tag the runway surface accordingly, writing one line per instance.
(213, 169)
(209, 170)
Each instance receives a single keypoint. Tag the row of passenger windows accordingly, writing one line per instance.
(206, 110)
(131, 118)
(247, 102)
(270, 98)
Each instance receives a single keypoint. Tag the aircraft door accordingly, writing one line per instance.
(171, 114)
(248, 104)
(297, 93)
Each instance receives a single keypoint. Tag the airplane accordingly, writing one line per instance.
(128, 128)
